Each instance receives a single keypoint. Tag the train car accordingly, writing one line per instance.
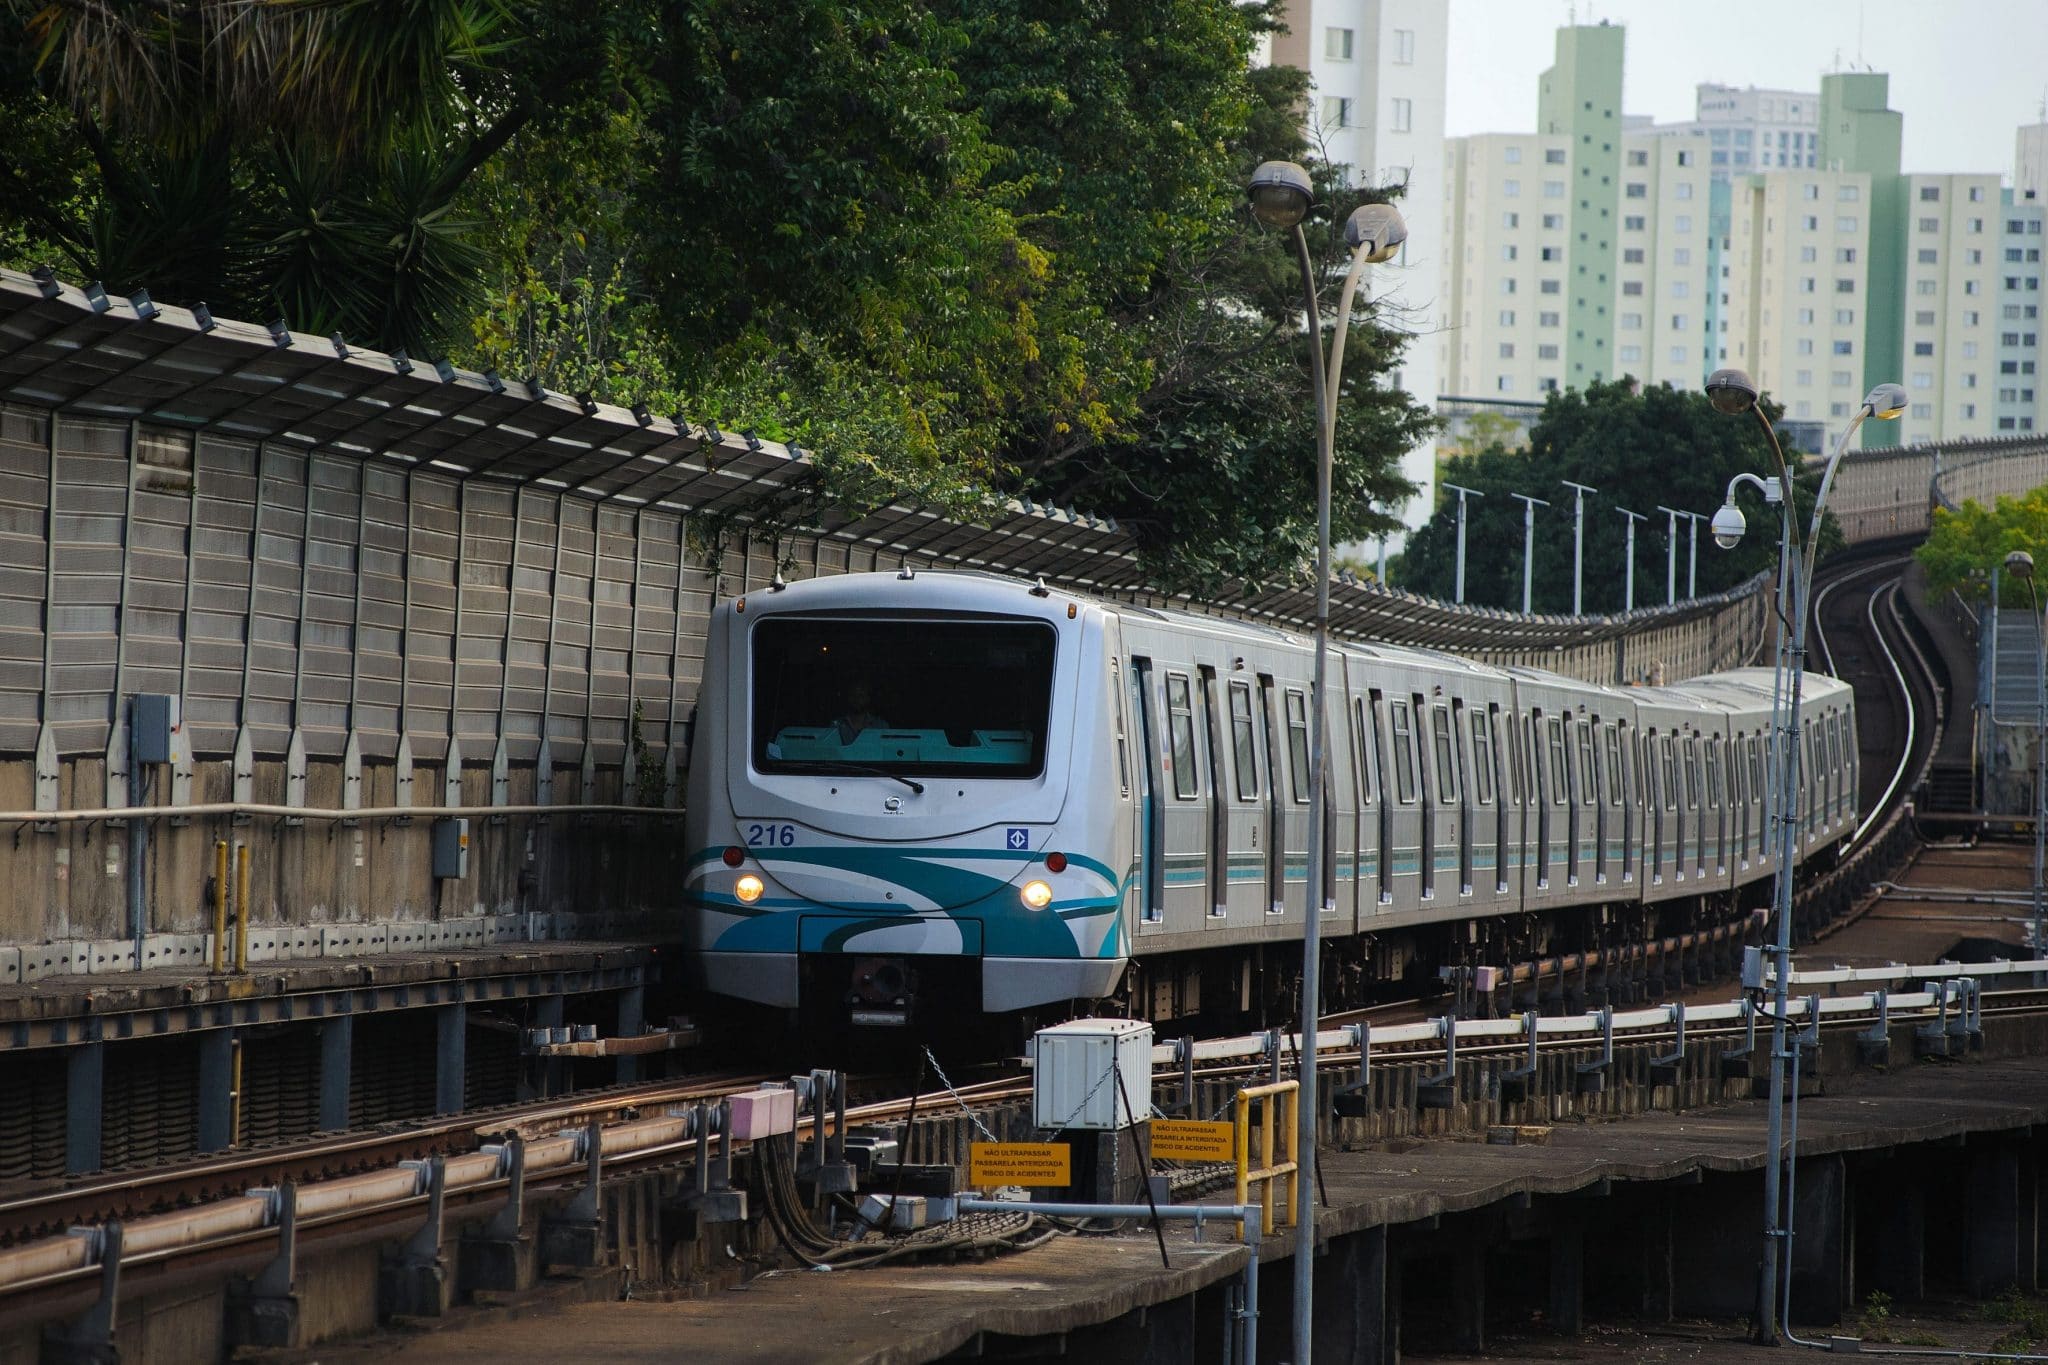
(941, 796)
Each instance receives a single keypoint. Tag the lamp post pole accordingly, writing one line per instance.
(1579, 491)
(1732, 391)
(1529, 506)
(1671, 516)
(1462, 493)
(1628, 573)
(1692, 555)
(1281, 193)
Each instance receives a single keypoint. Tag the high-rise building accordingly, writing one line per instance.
(2020, 403)
(1579, 99)
(1859, 133)
(2030, 161)
(1376, 105)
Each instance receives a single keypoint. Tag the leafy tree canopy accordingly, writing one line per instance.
(1641, 448)
(1964, 546)
(955, 248)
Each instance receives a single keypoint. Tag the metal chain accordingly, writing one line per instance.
(974, 1118)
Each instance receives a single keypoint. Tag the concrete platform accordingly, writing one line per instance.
(1112, 1289)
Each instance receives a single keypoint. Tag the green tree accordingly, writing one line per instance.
(1641, 448)
(1964, 546)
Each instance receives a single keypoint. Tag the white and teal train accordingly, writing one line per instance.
(942, 794)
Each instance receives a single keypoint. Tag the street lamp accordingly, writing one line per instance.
(1629, 573)
(1529, 506)
(1462, 493)
(1281, 194)
(1732, 391)
(1579, 491)
(1671, 516)
(2020, 565)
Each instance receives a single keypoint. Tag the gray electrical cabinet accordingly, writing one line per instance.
(451, 848)
(153, 727)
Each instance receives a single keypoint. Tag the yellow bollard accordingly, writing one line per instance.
(220, 903)
(241, 907)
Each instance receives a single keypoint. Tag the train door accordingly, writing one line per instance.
(1218, 864)
(1276, 838)
(1653, 806)
(1539, 766)
(1760, 798)
(1297, 789)
(1152, 819)
(1696, 805)
(1617, 798)
(1485, 791)
(1186, 818)
(1452, 784)
(1401, 719)
(1365, 866)
(1574, 773)
(1120, 712)
(1515, 765)
(1738, 803)
(1716, 820)
(1244, 759)
(1426, 798)
(1393, 792)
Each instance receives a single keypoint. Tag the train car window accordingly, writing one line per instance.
(1446, 762)
(1482, 758)
(1554, 727)
(1614, 790)
(1180, 726)
(1692, 772)
(1244, 747)
(1714, 773)
(1404, 753)
(1587, 777)
(1670, 763)
(1297, 744)
(1123, 762)
(922, 697)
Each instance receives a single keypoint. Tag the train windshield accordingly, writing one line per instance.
(963, 698)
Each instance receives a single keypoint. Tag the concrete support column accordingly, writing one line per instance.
(2029, 1211)
(216, 1089)
(1897, 1223)
(1351, 1299)
(1468, 1295)
(337, 1062)
(451, 1030)
(632, 1022)
(1654, 1230)
(542, 1076)
(1820, 1251)
(85, 1069)
(1567, 1305)
(1993, 1218)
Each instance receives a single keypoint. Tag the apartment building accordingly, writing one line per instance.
(1376, 105)
(2020, 403)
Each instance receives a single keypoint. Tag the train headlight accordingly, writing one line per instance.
(748, 889)
(1037, 895)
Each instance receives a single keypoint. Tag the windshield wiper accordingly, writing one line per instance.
(865, 770)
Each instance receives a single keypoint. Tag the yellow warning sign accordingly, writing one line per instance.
(1019, 1163)
(1192, 1140)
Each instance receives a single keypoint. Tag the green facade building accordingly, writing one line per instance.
(1580, 97)
(1858, 133)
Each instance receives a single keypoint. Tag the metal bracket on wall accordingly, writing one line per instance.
(402, 774)
(244, 770)
(415, 1281)
(589, 775)
(295, 774)
(352, 774)
(47, 773)
(501, 779)
(451, 777)
(544, 772)
(118, 759)
(181, 780)
(89, 1338)
(575, 1236)
(264, 1311)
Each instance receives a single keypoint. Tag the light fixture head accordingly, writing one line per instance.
(1731, 391)
(1886, 402)
(1280, 192)
(1378, 227)
(2020, 565)
(1728, 526)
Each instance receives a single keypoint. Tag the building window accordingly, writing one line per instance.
(1969, 350)
(1923, 411)
(1804, 346)
(1845, 286)
(1809, 191)
(1848, 194)
(1553, 156)
(1806, 284)
(1505, 384)
(1845, 317)
(1631, 355)
(1681, 256)
(1976, 225)
(1507, 317)
(1930, 194)
(1632, 256)
(1507, 350)
(1631, 322)
(1637, 190)
(1845, 223)
(1680, 289)
(1678, 322)
(1336, 112)
(1632, 223)
(1924, 318)
(1923, 348)
(1553, 222)
(1511, 155)
(1632, 288)
(1337, 44)
(1551, 253)
(1976, 194)
(1507, 286)
(1845, 348)
(1404, 116)
(1507, 253)
(1548, 287)
(1805, 316)
(1809, 253)
(1511, 220)
(1925, 256)
(1511, 189)
(1638, 158)
(1546, 352)
(1404, 47)
(1924, 286)
(1681, 222)
(1553, 189)
(1922, 379)
(1804, 379)
(1845, 255)
(1930, 224)
(1678, 354)
(1546, 319)
(1684, 188)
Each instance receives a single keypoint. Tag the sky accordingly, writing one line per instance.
(1964, 73)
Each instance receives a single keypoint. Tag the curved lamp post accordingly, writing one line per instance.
(2020, 565)
(1281, 194)
(1732, 391)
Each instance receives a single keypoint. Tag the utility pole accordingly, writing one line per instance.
(1529, 506)
(1462, 493)
(1692, 555)
(1671, 516)
(1579, 491)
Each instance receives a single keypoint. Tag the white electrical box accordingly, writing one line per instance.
(1076, 1071)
